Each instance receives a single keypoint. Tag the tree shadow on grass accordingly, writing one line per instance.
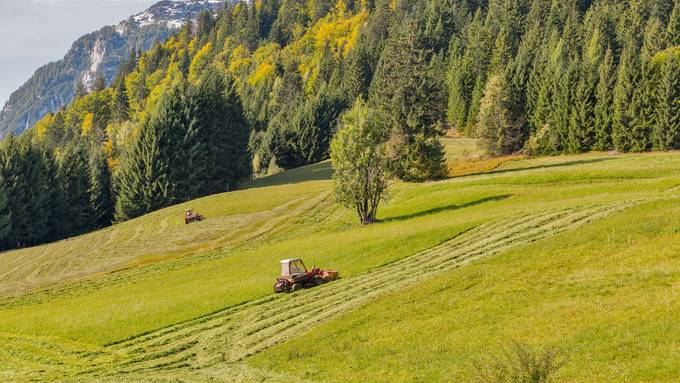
(548, 166)
(440, 209)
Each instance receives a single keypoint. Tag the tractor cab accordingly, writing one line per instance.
(291, 268)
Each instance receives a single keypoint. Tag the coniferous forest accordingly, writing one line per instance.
(261, 86)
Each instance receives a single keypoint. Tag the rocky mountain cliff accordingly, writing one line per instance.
(54, 84)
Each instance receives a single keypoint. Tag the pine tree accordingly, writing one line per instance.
(667, 128)
(643, 104)
(623, 105)
(28, 189)
(603, 107)
(154, 172)
(55, 195)
(412, 105)
(561, 91)
(5, 213)
(217, 136)
(581, 128)
(100, 190)
(73, 176)
(673, 28)
(500, 132)
(121, 103)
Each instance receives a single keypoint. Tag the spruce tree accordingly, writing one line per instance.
(217, 136)
(412, 105)
(583, 131)
(497, 127)
(73, 175)
(154, 171)
(561, 91)
(581, 127)
(11, 165)
(603, 105)
(643, 105)
(623, 106)
(673, 28)
(5, 213)
(55, 195)
(28, 187)
(121, 103)
(667, 127)
(100, 190)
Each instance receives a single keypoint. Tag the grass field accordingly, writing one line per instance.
(579, 252)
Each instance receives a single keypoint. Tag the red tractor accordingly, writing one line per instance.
(294, 276)
(190, 216)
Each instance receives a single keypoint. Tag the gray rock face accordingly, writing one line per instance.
(53, 85)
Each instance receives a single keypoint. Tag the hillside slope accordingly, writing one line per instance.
(573, 251)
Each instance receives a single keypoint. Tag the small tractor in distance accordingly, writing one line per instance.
(190, 216)
(294, 276)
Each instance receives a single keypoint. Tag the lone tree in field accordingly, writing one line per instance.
(360, 162)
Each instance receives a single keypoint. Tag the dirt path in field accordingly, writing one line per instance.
(207, 348)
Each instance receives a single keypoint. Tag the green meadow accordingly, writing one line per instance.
(581, 253)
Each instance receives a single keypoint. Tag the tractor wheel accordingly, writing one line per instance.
(296, 287)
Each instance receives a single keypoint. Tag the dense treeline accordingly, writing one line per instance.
(261, 87)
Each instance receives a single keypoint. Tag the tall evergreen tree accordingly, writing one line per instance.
(153, 174)
(73, 176)
(217, 136)
(28, 190)
(121, 103)
(5, 213)
(643, 105)
(667, 127)
(581, 127)
(412, 105)
(674, 25)
(100, 190)
(603, 111)
(497, 127)
(623, 106)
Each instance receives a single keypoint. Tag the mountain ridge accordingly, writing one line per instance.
(53, 84)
